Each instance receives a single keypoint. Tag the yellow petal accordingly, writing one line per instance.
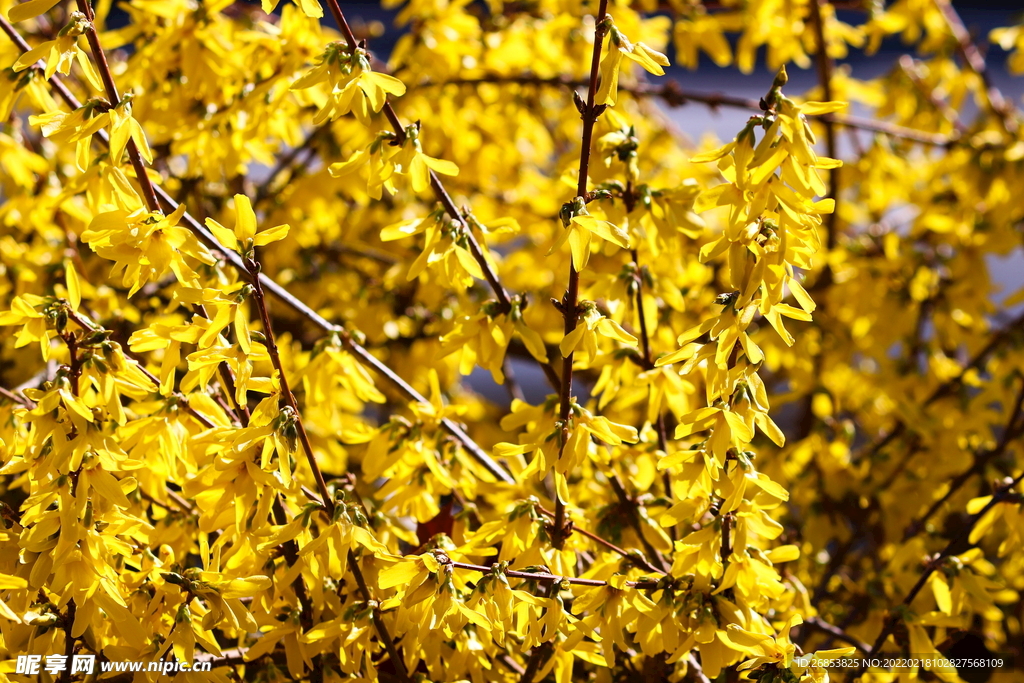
(784, 553)
(27, 10)
(713, 155)
(274, 234)
(401, 574)
(8, 582)
(74, 285)
(223, 235)
(245, 218)
(441, 166)
(818, 108)
(603, 229)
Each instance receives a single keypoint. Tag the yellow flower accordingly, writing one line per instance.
(61, 52)
(483, 339)
(28, 310)
(778, 654)
(244, 237)
(445, 249)
(619, 47)
(580, 227)
(702, 32)
(355, 87)
(378, 158)
(145, 245)
(124, 127)
(590, 325)
(414, 164)
(311, 8)
(78, 126)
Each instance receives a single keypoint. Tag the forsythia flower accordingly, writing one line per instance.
(145, 245)
(483, 339)
(30, 311)
(445, 249)
(590, 325)
(385, 162)
(619, 47)
(354, 86)
(778, 656)
(244, 237)
(580, 227)
(60, 52)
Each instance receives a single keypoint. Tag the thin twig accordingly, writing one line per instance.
(633, 514)
(286, 394)
(698, 670)
(629, 198)
(570, 302)
(253, 268)
(15, 398)
(675, 96)
(825, 69)
(569, 307)
(440, 192)
(632, 557)
(285, 163)
(541, 577)
(911, 68)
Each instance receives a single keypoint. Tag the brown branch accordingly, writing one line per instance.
(911, 68)
(675, 96)
(633, 513)
(640, 561)
(825, 70)
(72, 341)
(378, 620)
(286, 394)
(570, 302)
(154, 501)
(569, 306)
(728, 522)
(442, 195)
(539, 655)
(326, 501)
(629, 198)
(287, 160)
(511, 664)
(505, 299)
(548, 578)
(15, 398)
(698, 670)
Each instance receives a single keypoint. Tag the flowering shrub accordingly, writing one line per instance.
(251, 274)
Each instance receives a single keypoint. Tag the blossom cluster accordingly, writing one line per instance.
(468, 366)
